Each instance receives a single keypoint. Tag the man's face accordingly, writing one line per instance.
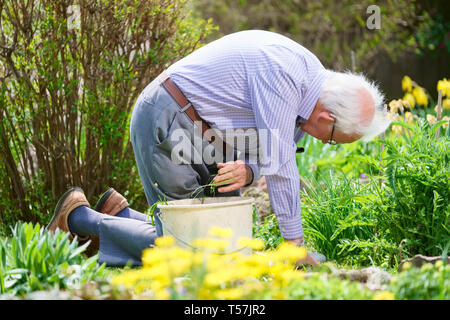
(323, 130)
(320, 123)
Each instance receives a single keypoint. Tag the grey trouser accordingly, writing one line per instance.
(156, 115)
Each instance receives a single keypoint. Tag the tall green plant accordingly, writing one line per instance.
(68, 83)
(339, 222)
(414, 203)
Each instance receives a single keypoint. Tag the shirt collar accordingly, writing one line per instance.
(309, 100)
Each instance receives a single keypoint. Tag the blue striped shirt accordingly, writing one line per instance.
(263, 80)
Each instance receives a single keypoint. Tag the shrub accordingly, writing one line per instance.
(34, 259)
(67, 90)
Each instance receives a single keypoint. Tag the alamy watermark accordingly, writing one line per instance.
(373, 22)
(261, 148)
(73, 17)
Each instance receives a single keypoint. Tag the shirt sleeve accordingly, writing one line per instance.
(276, 99)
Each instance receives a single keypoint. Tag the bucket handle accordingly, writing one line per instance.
(158, 214)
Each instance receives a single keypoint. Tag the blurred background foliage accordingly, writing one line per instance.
(68, 82)
(414, 37)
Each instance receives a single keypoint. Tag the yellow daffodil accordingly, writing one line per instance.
(431, 119)
(392, 116)
(395, 106)
(409, 100)
(407, 84)
(420, 96)
(409, 117)
(445, 125)
(444, 85)
(397, 130)
(446, 104)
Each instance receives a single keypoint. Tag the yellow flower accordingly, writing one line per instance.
(289, 275)
(446, 104)
(392, 116)
(165, 241)
(407, 84)
(444, 85)
(431, 119)
(395, 106)
(255, 244)
(409, 100)
(212, 244)
(288, 252)
(409, 117)
(421, 96)
(229, 294)
(445, 125)
(397, 130)
(385, 295)
(221, 232)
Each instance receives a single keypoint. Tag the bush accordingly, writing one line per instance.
(34, 259)
(67, 90)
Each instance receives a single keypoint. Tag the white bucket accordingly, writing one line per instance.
(189, 219)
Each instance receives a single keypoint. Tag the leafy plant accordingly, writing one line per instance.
(35, 259)
(430, 282)
(339, 222)
(413, 204)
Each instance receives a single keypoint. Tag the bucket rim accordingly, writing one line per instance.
(241, 201)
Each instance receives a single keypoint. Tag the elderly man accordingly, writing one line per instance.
(253, 84)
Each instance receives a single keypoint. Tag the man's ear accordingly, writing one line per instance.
(326, 116)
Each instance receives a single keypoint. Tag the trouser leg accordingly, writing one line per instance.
(123, 240)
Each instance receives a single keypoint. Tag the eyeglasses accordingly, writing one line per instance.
(331, 140)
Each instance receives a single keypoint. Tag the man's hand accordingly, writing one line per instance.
(233, 175)
(308, 258)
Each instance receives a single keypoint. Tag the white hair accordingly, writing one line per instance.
(341, 96)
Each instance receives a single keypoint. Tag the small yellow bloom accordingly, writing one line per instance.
(395, 106)
(407, 84)
(445, 125)
(397, 130)
(221, 232)
(431, 119)
(255, 244)
(385, 295)
(409, 100)
(393, 116)
(409, 117)
(446, 104)
(229, 294)
(444, 85)
(421, 96)
(165, 241)
(212, 244)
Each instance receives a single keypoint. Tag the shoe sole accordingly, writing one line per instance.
(101, 202)
(60, 203)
